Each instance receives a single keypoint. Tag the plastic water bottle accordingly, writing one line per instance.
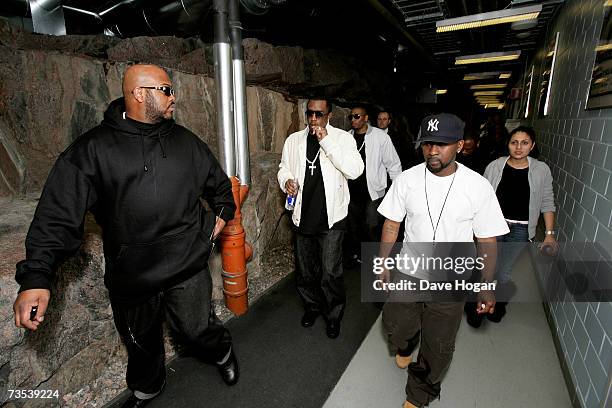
(290, 203)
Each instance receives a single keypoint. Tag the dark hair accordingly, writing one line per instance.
(525, 129)
(529, 131)
(328, 102)
(358, 106)
(387, 112)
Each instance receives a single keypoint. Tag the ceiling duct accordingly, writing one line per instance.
(131, 18)
(48, 17)
(260, 7)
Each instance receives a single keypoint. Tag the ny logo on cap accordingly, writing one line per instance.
(432, 125)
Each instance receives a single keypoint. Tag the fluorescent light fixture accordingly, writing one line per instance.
(494, 106)
(488, 57)
(603, 47)
(550, 78)
(488, 19)
(441, 91)
(488, 93)
(489, 86)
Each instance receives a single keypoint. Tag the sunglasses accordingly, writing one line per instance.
(355, 116)
(167, 90)
(318, 114)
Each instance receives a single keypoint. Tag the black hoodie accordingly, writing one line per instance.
(143, 183)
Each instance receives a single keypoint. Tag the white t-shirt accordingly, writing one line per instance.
(471, 208)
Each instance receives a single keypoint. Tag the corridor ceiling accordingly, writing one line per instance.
(398, 35)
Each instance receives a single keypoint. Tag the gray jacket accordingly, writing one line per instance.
(541, 198)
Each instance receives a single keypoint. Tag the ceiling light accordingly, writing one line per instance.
(488, 19)
(505, 75)
(494, 105)
(480, 75)
(488, 93)
(488, 57)
(489, 86)
(441, 91)
(604, 47)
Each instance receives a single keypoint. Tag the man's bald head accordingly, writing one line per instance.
(142, 103)
(143, 75)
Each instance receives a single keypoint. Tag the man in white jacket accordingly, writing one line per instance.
(321, 158)
(367, 191)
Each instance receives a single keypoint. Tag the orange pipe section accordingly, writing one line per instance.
(235, 253)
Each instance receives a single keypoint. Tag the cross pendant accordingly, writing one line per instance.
(312, 167)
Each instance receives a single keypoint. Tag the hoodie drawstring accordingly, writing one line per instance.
(144, 162)
(161, 144)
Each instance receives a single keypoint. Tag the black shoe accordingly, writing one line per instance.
(309, 318)
(333, 329)
(229, 370)
(134, 402)
(473, 318)
(499, 313)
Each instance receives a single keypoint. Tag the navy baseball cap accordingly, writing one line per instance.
(441, 128)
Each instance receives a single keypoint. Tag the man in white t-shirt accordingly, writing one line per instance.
(441, 201)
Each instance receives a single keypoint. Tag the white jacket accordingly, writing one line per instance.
(381, 158)
(339, 160)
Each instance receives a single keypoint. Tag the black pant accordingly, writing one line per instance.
(192, 320)
(318, 260)
(435, 324)
(364, 224)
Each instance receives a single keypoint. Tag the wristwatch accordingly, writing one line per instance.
(549, 232)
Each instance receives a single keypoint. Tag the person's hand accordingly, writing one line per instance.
(320, 132)
(486, 302)
(292, 187)
(22, 307)
(219, 225)
(549, 246)
(385, 277)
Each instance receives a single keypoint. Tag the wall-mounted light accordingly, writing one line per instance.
(488, 57)
(489, 86)
(488, 19)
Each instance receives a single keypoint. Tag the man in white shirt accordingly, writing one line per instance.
(367, 191)
(321, 158)
(441, 201)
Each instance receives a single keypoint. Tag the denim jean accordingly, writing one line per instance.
(508, 254)
(318, 259)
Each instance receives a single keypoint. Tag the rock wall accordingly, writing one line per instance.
(52, 89)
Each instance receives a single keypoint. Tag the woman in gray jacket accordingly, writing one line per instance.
(523, 186)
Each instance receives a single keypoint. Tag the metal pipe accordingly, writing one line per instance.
(223, 78)
(240, 112)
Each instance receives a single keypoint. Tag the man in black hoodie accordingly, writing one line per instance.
(142, 176)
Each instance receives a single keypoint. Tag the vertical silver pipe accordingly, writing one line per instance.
(225, 95)
(240, 112)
